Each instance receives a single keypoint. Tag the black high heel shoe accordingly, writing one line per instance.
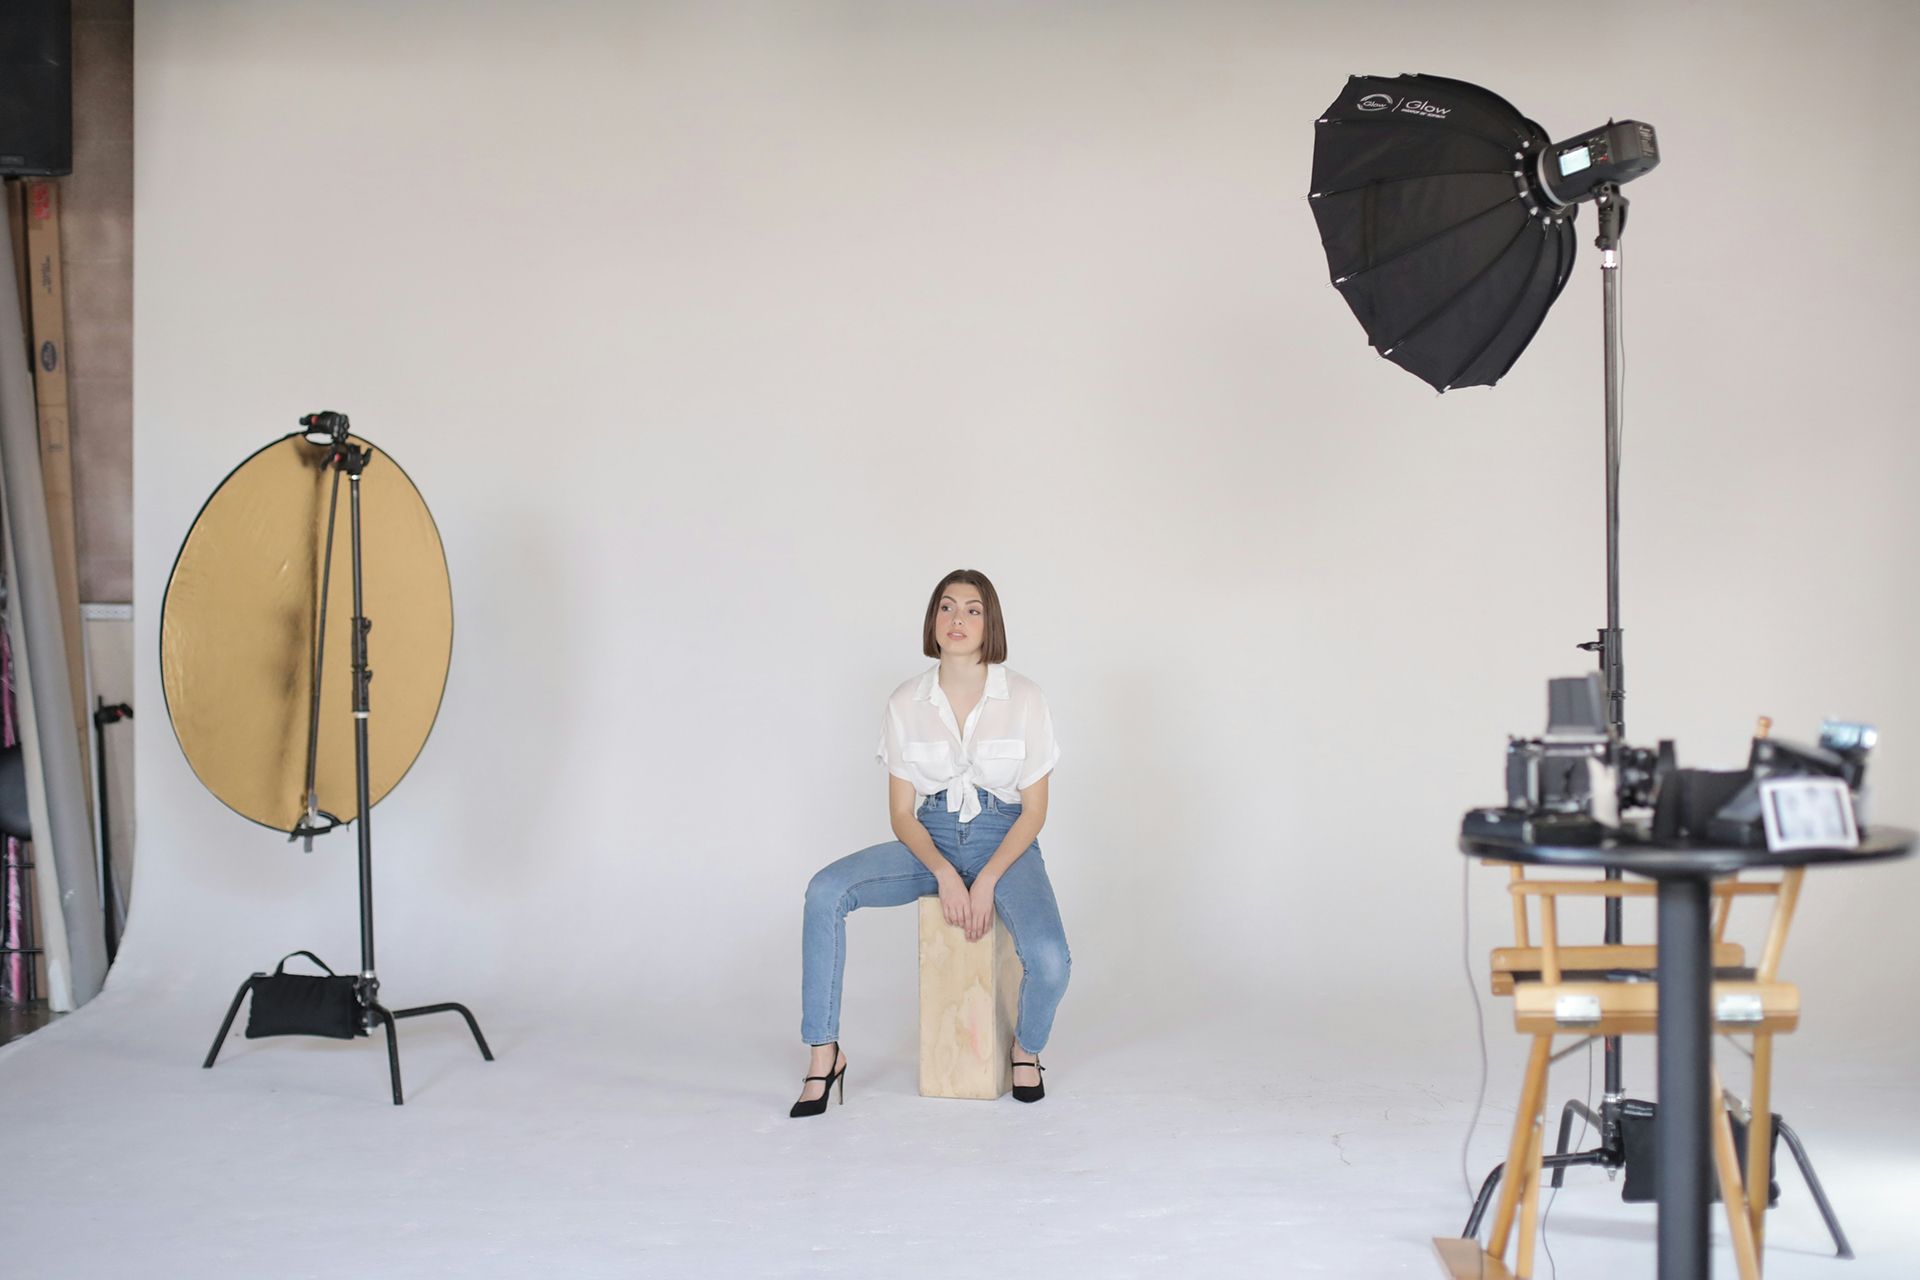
(814, 1106)
(1030, 1092)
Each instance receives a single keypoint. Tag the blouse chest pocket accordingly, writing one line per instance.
(933, 759)
(997, 762)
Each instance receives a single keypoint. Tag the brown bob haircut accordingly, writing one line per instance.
(993, 646)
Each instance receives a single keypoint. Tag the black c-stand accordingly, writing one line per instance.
(1610, 1153)
(1610, 207)
(349, 459)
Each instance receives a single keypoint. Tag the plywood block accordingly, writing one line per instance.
(47, 307)
(1462, 1259)
(969, 998)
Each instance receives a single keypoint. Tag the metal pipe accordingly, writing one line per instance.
(1612, 216)
(36, 595)
(103, 715)
(319, 666)
(360, 714)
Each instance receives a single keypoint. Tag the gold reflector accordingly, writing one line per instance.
(237, 633)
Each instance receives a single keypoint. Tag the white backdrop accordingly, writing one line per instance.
(714, 334)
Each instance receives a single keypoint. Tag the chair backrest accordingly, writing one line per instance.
(1550, 958)
(1544, 976)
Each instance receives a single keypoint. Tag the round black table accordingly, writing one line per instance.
(1685, 873)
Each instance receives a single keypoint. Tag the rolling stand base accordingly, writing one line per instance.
(1613, 1158)
(375, 1012)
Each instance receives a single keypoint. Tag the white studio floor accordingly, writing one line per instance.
(602, 1152)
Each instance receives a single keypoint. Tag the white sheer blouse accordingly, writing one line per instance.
(1006, 744)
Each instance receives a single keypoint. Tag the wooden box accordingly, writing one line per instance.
(969, 998)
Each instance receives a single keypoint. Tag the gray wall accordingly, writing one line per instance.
(713, 335)
(97, 237)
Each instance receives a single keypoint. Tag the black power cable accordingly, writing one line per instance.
(1479, 1021)
(1553, 1267)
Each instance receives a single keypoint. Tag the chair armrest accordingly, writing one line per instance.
(1506, 962)
(1633, 1008)
(1631, 888)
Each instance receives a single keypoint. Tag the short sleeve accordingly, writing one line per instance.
(1043, 749)
(888, 752)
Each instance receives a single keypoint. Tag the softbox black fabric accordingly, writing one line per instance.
(15, 819)
(301, 1004)
(1428, 209)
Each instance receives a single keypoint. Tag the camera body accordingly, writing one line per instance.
(1569, 785)
(1573, 783)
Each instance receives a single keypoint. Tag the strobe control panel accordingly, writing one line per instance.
(1617, 152)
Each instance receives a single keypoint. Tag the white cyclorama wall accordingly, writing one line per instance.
(713, 335)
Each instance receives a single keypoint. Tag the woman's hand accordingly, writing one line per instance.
(954, 902)
(980, 908)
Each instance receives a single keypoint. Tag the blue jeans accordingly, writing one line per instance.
(888, 875)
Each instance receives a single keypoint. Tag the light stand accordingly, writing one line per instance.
(350, 459)
(1610, 1152)
(1610, 207)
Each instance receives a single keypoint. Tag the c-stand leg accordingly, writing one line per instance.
(460, 1009)
(1841, 1247)
(226, 1024)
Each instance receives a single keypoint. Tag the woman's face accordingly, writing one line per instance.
(960, 623)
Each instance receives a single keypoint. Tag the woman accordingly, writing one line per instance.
(968, 748)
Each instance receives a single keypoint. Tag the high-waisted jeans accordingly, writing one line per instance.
(888, 875)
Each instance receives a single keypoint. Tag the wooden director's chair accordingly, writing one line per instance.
(1609, 991)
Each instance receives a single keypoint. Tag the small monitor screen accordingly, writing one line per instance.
(1574, 160)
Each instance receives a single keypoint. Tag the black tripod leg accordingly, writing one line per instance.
(1574, 1107)
(1555, 1162)
(1480, 1202)
(226, 1025)
(460, 1009)
(393, 1053)
(1844, 1250)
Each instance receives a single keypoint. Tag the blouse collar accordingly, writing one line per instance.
(996, 683)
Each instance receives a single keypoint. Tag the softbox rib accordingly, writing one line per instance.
(1448, 230)
(1497, 329)
(1452, 300)
(1559, 248)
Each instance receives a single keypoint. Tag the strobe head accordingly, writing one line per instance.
(324, 428)
(1615, 153)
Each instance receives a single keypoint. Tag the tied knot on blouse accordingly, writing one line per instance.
(1006, 745)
